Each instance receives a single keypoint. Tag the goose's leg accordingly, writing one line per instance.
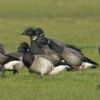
(3, 72)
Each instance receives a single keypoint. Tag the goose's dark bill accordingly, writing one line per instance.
(29, 32)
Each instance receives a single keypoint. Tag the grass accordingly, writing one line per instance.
(74, 22)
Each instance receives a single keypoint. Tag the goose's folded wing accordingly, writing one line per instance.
(16, 55)
(3, 58)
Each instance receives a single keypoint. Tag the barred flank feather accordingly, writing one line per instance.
(41, 65)
(2, 58)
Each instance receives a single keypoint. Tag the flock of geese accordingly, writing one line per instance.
(43, 56)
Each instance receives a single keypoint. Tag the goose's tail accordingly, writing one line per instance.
(93, 63)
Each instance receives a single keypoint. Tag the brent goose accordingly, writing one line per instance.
(37, 47)
(11, 61)
(39, 63)
(36, 63)
(72, 57)
(38, 32)
(70, 54)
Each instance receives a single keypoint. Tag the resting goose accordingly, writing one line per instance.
(11, 62)
(36, 63)
(38, 48)
(38, 32)
(70, 54)
(39, 63)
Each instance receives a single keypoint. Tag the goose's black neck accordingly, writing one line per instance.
(28, 59)
(34, 48)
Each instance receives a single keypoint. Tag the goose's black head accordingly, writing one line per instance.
(34, 33)
(23, 47)
(39, 32)
(29, 32)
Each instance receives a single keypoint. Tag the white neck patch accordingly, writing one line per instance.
(34, 37)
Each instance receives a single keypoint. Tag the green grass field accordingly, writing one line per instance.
(75, 22)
